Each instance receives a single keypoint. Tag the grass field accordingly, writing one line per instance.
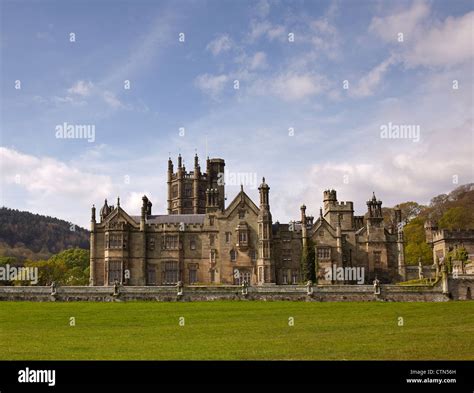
(236, 330)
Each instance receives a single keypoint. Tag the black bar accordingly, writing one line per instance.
(315, 373)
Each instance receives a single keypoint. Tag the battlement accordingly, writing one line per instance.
(456, 234)
(329, 195)
(331, 202)
(345, 206)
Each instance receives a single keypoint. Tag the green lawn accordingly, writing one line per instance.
(236, 330)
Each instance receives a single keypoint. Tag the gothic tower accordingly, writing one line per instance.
(187, 190)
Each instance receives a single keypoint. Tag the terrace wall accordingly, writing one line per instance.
(458, 290)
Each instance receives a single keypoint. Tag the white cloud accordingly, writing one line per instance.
(426, 41)
(369, 82)
(133, 202)
(413, 174)
(262, 8)
(222, 43)
(49, 176)
(405, 21)
(276, 32)
(258, 60)
(51, 186)
(324, 36)
(211, 84)
(293, 86)
(83, 92)
(263, 28)
(445, 45)
(112, 100)
(81, 88)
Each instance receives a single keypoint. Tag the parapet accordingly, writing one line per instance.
(456, 234)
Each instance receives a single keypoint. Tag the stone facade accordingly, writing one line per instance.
(343, 240)
(201, 241)
(443, 241)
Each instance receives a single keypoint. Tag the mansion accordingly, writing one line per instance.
(202, 241)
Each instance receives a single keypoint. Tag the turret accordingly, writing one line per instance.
(397, 215)
(339, 240)
(375, 218)
(374, 208)
(143, 213)
(143, 241)
(196, 180)
(400, 244)
(264, 190)
(170, 178)
(430, 228)
(304, 232)
(265, 266)
(329, 199)
(104, 211)
(93, 217)
(92, 248)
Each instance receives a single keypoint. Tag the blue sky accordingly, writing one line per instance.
(284, 84)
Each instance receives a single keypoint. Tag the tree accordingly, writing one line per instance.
(410, 210)
(69, 267)
(415, 243)
(456, 218)
(4, 261)
(308, 267)
(49, 271)
(462, 254)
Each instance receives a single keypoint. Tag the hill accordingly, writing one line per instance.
(454, 210)
(25, 235)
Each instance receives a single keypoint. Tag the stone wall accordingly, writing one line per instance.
(462, 287)
(232, 292)
(412, 272)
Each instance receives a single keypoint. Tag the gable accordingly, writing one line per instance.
(119, 215)
(322, 225)
(240, 201)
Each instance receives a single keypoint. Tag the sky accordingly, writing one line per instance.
(310, 95)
